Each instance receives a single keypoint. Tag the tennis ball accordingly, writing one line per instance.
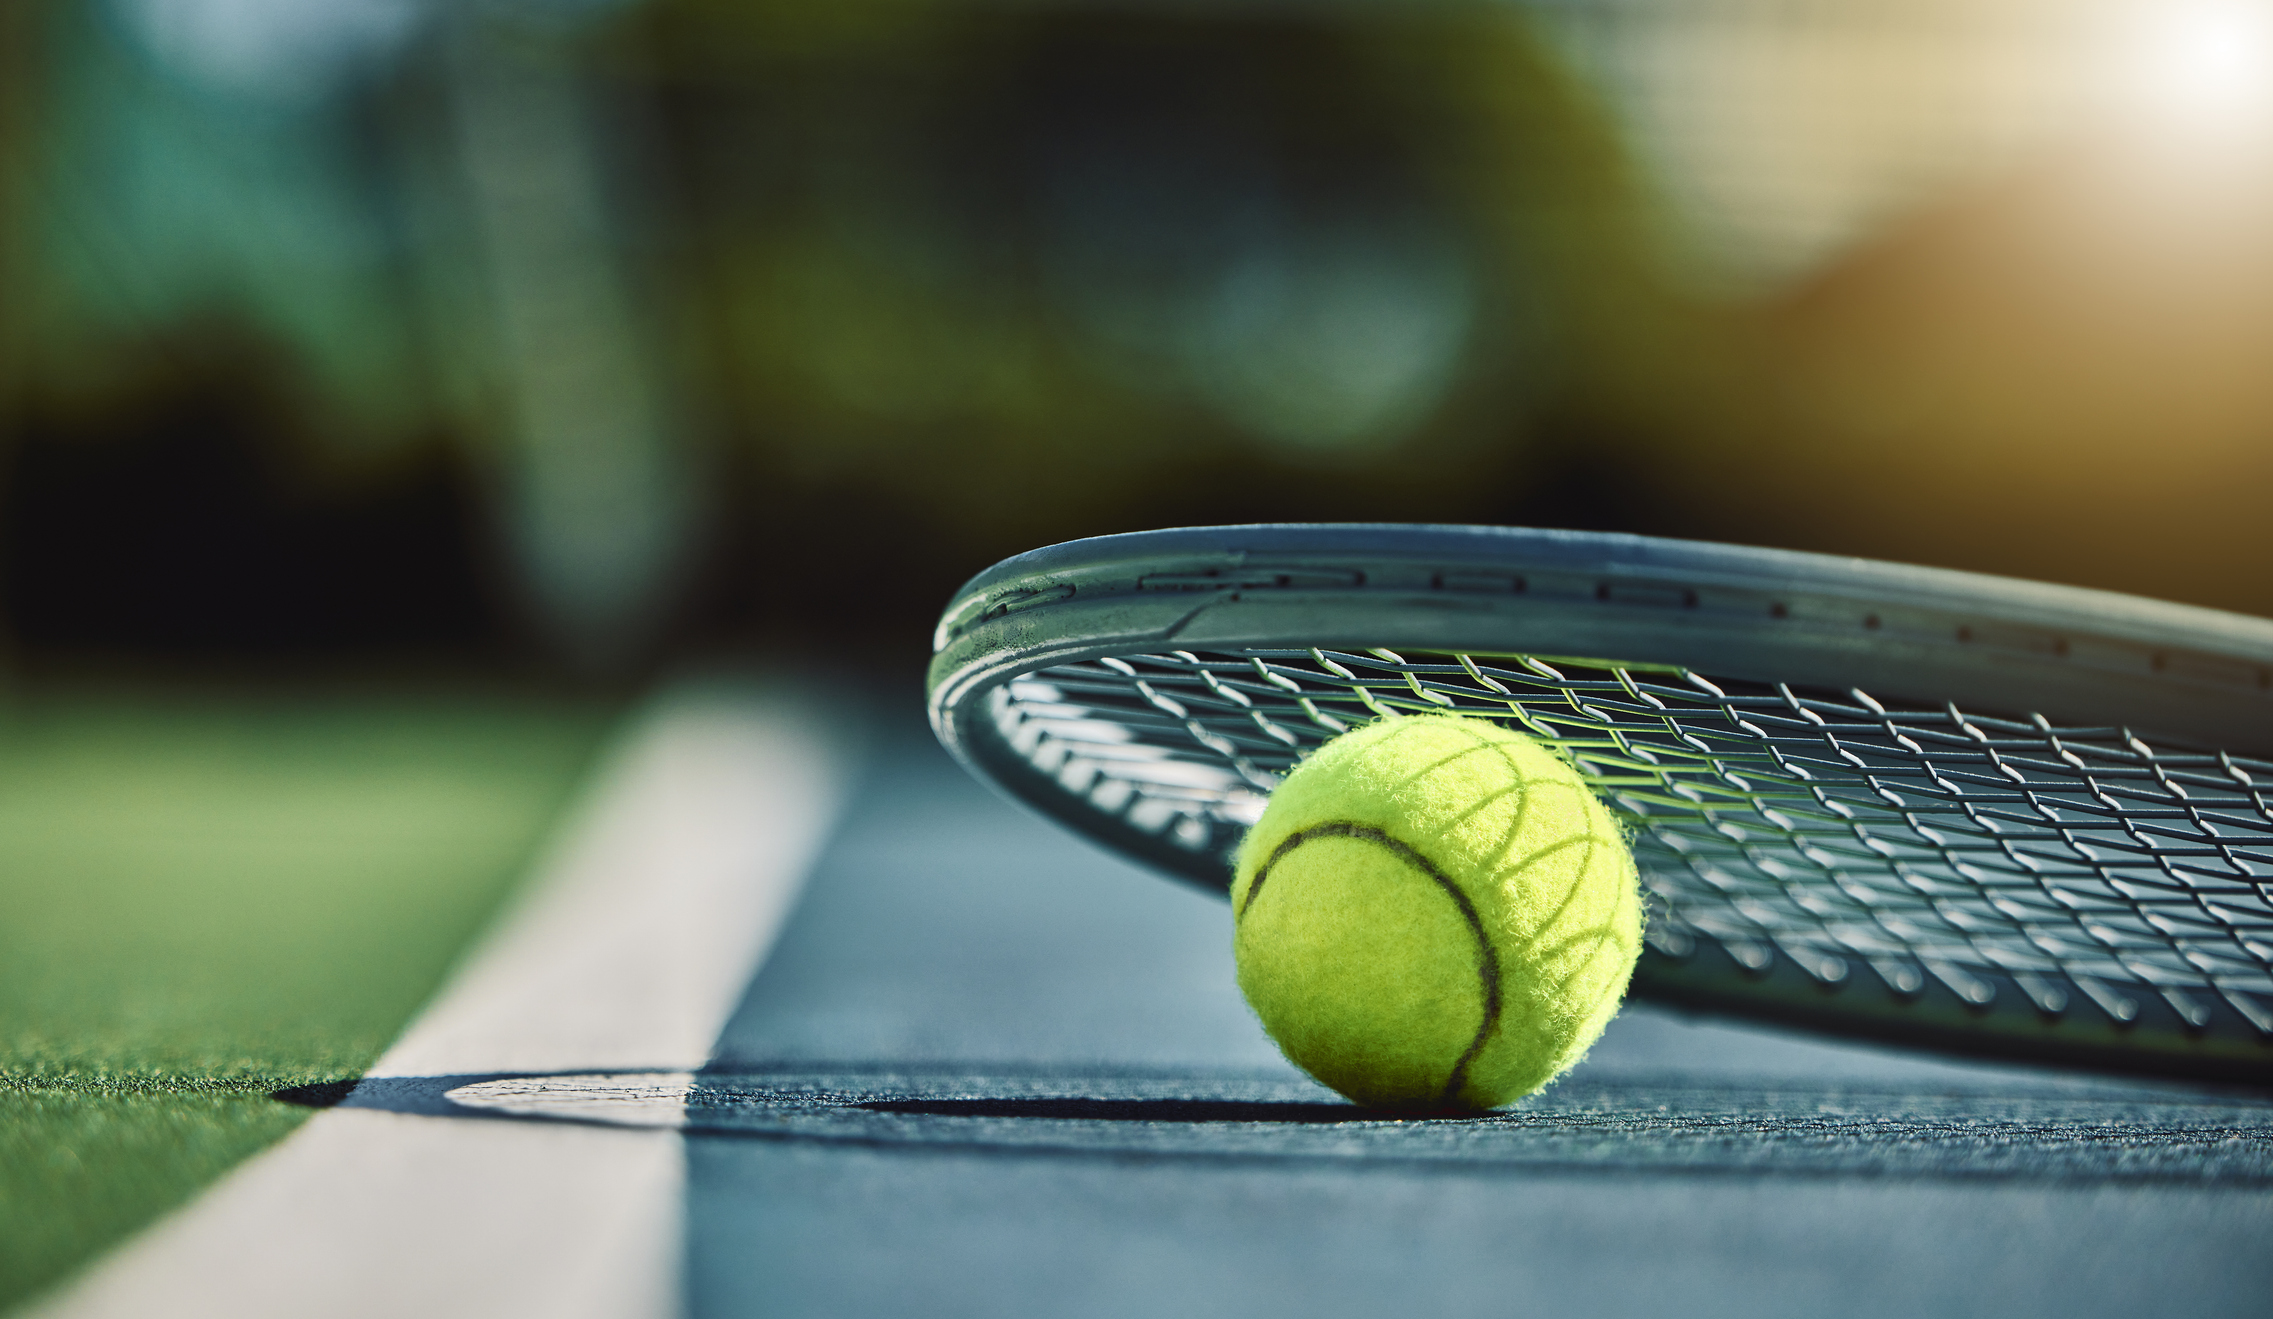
(1435, 913)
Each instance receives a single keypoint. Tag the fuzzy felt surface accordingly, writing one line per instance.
(1435, 912)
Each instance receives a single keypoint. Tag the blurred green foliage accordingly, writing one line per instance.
(733, 318)
(896, 275)
(168, 225)
(881, 232)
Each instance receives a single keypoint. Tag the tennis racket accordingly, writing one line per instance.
(1988, 816)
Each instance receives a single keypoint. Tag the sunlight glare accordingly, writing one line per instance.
(2208, 65)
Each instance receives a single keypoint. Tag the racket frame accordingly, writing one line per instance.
(2172, 674)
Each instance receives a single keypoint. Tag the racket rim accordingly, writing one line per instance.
(1221, 590)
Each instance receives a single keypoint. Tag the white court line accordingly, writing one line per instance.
(629, 952)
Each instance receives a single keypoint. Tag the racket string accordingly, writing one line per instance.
(1828, 827)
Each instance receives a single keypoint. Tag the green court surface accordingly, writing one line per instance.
(205, 898)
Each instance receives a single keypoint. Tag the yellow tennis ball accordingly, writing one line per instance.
(1435, 913)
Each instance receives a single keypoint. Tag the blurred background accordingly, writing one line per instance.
(573, 336)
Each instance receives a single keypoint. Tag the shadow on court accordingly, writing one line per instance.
(1140, 1110)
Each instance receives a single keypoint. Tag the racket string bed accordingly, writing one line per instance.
(2079, 866)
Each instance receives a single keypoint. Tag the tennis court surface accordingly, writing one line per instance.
(790, 1022)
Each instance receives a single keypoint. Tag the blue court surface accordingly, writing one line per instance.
(990, 1070)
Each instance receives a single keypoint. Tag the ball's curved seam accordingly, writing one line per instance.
(1542, 879)
(1488, 962)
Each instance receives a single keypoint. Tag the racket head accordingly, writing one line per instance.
(1990, 816)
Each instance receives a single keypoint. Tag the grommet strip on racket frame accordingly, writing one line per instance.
(1988, 816)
